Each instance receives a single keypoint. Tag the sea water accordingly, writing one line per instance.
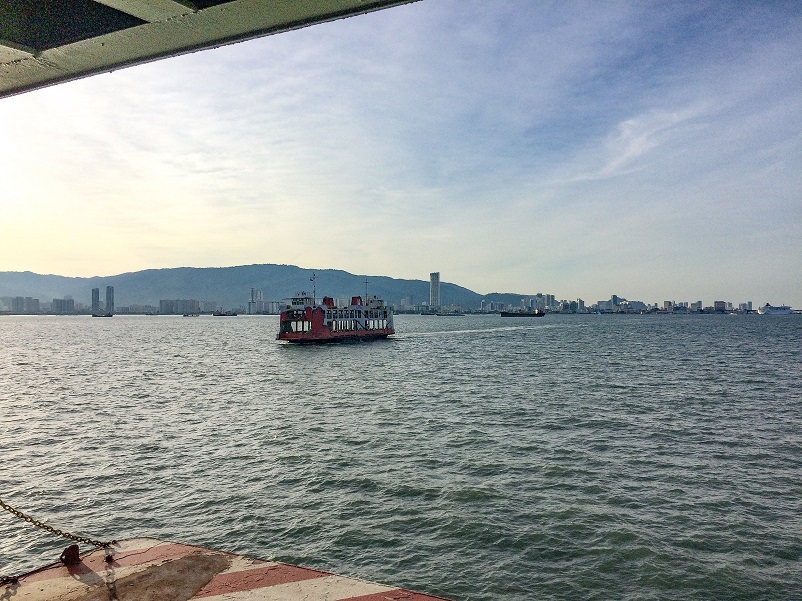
(475, 457)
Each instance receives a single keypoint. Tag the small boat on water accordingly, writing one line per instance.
(522, 313)
(304, 321)
(768, 309)
(224, 314)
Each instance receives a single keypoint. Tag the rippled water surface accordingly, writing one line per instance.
(478, 458)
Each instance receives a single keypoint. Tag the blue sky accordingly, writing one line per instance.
(583, 149)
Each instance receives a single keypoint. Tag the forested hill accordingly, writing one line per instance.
(227, 286)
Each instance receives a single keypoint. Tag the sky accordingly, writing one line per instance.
(651, 150)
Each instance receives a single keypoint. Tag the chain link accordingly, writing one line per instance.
(81, 539)
(56, 531)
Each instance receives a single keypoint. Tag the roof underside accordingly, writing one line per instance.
(44, 42)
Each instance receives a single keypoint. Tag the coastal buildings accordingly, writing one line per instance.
(451, 298)
(179, 306)
(62, 306)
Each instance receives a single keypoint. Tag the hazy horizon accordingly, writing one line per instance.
(650, 150)
(588, 301)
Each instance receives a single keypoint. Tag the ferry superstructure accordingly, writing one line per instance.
(304, 321)
(768, 309)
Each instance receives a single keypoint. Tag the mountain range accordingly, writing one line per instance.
(230, 286)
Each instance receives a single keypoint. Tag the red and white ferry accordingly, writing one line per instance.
(304, 321)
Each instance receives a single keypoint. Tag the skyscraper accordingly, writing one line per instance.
(434, 289)
(95, 301)
(109, 299)
(256, 302)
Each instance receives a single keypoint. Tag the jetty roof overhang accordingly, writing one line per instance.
(44, 42)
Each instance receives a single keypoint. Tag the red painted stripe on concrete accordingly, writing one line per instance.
(248, 580)
(133, 557)
(96, 561)
(57, 571)
(397, 595)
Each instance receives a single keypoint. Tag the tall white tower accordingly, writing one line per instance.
(434, 289)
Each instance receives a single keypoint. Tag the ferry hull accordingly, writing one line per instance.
(322, 338)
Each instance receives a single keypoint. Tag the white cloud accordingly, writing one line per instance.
(570, 146)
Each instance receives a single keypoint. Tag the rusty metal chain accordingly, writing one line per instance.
(56, 531)
(81, 539)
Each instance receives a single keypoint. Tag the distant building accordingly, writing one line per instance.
(434, 289)
(62, 306)
(604, 306)
(109, 299)
(256, 302)
(187, 306)
(31, 305)
(180, 306)
(719, 306)
(95, 301)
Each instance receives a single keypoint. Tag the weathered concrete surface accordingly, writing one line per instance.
(152, 570)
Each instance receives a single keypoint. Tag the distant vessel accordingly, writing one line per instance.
(102, 315)
(225, 313)
(768, 309)
(304, 321)
(522, 313)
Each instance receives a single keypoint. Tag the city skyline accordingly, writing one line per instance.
(649, 147)
(256, 303)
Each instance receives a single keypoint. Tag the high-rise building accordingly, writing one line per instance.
(62, 306)
(256, 302)
(434, 289)
(95, 301)
(109, 299)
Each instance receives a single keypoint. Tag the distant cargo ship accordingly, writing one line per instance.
(768, 309)
(522, 313)
(306, 322)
